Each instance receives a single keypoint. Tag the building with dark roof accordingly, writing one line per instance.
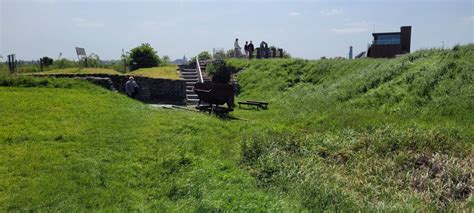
(180, 61)
(391, 44)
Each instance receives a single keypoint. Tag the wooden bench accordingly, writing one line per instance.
(258, 104)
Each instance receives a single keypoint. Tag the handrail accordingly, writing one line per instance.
(201, 80)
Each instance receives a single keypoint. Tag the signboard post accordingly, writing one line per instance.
(81, 52)
(12, 63)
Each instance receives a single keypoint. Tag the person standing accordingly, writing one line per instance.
(237, 48)
(250, 49)
(131, 87)
(262, 49)
(246, 48)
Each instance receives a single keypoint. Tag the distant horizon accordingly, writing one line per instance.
(306, 29)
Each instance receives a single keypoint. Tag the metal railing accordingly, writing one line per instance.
(198, 67)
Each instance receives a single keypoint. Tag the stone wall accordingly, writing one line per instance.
(152, 90)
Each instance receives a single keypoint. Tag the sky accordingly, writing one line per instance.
(306, 29)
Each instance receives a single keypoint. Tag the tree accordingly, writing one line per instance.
(165, 61)
(143, 56)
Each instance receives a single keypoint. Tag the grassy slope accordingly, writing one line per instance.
(168, 72)
(351, 135)
(390, 134)
(73, 146)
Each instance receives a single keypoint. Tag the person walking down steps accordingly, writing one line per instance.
(131, 87)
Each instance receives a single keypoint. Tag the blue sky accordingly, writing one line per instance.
(306, 29)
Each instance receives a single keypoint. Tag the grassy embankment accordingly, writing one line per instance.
(168, 72)
(366, 134)
(339, 135)
(66, 144)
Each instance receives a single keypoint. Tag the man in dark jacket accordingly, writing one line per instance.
(250, 49)
(131, 87)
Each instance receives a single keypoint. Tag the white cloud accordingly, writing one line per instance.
(81, 22)
(330, 12)
(349, 30)
(293, 13)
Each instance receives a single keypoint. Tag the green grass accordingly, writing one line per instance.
(76, 147)
(81, 71)
(3, 70)
(340, 135)
(168, 72)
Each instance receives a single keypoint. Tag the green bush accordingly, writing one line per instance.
(143, 56)
(219, 72)
(64, 63)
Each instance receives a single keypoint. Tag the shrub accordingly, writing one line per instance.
(93, 60)
(219, 72)
(143, 56)
(64, 63)
(204, 55)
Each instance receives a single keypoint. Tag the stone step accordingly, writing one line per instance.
(190, 91)
(188, 70)
(190, 76)
(188, 73)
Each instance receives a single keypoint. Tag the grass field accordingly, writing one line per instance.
(340, 135)
(81, 71)
(168, 72)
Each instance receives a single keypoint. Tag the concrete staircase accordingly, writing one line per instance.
(191, 76)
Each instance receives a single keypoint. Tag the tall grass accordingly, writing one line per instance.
(365, 134)
(3, 70)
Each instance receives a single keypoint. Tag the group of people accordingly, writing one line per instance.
(248, 48)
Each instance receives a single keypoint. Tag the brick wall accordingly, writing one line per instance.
(152, 90)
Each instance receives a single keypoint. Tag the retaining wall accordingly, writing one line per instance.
(152, 90)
